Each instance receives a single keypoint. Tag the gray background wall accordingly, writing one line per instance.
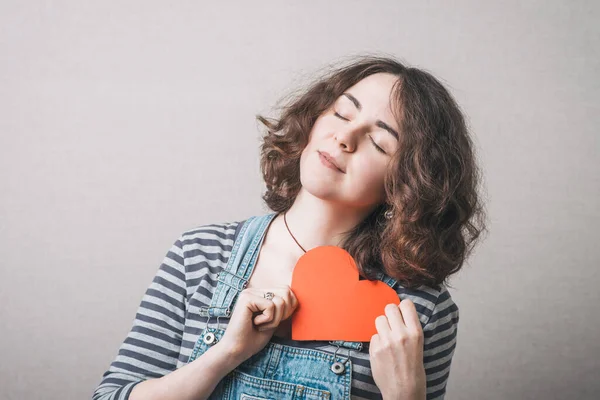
(122, 124)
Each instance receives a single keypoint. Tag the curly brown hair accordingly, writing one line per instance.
(431, 188)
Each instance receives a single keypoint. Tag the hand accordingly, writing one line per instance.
(396, 353)
(255, 319)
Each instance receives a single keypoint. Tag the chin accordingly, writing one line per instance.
(320, 181)
(322, 186)
(319, 185)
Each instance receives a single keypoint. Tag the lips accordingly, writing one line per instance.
(332, 160)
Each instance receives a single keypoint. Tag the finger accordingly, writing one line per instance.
(394, 316)
(259, 296)
(279, 304)
(291, 304)
(410, 316)
(290, 300)
(293, 298)
(264, 306)
(382, 325)
(373, 343)
(267, 314)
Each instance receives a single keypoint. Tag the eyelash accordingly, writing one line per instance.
(379, 149)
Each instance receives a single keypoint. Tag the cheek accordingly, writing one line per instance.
(369, 176)
(369, 171)
(319, 131)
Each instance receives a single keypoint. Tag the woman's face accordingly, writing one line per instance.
(359, 132)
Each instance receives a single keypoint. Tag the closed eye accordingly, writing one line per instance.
(339, 116)
(379, 149)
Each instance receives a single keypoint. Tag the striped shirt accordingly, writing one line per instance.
(167, 323)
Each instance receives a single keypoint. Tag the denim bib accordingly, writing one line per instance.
(283, 369)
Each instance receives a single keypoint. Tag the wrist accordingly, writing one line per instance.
(231, 355)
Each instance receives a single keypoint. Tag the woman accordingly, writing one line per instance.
(375, 158)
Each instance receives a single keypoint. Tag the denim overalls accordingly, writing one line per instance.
(278, 371)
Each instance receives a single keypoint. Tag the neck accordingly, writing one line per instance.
(316, 222)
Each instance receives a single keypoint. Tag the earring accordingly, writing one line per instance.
(389, 214)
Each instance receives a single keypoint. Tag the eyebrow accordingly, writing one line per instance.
(379, 122)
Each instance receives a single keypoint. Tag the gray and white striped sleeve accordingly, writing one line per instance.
(152, 346)
(440, 333)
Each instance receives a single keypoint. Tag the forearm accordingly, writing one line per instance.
(421, 395)
(194, 381)
(414, 392)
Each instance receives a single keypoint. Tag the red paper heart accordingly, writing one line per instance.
(333, 303)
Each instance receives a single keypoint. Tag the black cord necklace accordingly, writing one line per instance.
(288, 228)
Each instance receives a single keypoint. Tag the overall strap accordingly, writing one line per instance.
(235, 276)
(391, 282)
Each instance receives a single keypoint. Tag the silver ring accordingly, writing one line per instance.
(269, 295)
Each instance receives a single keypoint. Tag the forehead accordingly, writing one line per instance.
(374, 91)
(374, 95)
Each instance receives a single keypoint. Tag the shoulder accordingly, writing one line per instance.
(205, 250)
(215, 235)
(431, 303)
(218, 234)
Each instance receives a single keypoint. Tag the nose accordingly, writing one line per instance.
(349, 136)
